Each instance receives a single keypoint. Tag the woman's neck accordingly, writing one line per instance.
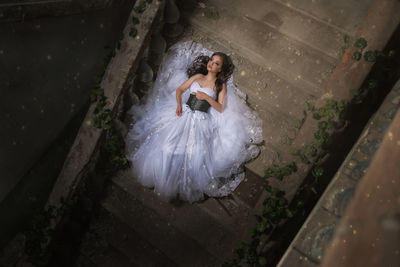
(210, 76)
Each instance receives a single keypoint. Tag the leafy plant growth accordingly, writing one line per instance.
(211, 14)
(280, 172)
(141, 7)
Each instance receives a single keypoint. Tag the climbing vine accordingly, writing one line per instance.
(276, 208)
(39, 232)
(38, 236)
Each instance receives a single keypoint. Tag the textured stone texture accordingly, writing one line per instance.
(345, 186)
(371, 224)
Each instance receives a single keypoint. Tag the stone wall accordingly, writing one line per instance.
(317, 233)
(30, 9)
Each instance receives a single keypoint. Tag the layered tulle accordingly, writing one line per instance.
(197, 153)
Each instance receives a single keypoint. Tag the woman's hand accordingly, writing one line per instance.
(201, 96)
(179, 110)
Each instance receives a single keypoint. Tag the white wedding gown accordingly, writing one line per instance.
(196, 153)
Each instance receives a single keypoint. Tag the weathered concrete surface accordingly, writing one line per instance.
(292, 23)
(158, 230)
(48, 68)
(371, 223)
(342, 14)
(363, 191)
(120, 238)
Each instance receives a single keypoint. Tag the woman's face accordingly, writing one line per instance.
(215, 64)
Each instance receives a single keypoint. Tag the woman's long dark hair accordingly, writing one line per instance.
(199, 65)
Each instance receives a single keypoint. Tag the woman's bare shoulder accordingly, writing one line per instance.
(197, 77)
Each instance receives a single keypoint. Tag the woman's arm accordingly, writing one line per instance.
(219, 106)
(182, 88)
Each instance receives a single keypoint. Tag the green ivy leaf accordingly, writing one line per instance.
(330, 125)
(135, 20)
(346, 40)
(356, 56)
(316, 115)
(371, 84)
(133, 32)
(299, 123)
(361, 43)
(314, 190)
(295, 152)
(322, 125)
(262, 261)
(304, 159)
(292, 166)
(211, 14)
(141, 7)
(370, 56)
(317, 172)
(289, 213)
(282, 201)
(330, 104)
(309, 106)
(299, 204)
(354, 92)
(273, 190)
(310, 149)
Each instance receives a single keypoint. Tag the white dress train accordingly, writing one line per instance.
(196, 153)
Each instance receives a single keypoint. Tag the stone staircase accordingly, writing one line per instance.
(284, 51)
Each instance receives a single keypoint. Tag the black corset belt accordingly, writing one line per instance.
(196, 104)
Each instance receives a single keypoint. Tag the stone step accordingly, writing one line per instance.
(269, 155)
(264, 88)
(250, 189)
(100, 253)
(126, 240)
(257, 82)
(230, 212)
(295, 62)
(278, 131)
(158, 231)
(297, 25)
(188, 218)
(346, 15)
